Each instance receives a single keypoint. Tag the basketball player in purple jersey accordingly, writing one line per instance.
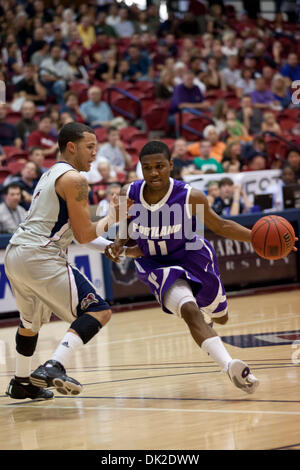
(179, 266)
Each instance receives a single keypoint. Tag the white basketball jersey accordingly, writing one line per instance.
(47, 221)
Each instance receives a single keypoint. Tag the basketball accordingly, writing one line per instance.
(272, 237)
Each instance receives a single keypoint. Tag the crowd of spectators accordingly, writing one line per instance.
(232, 71)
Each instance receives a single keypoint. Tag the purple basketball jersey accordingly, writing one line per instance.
(166, 234)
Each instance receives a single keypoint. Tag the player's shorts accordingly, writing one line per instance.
(43, 282)
(198, 268)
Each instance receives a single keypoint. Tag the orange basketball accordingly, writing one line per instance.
(272, 237)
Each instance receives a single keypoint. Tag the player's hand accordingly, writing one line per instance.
(294, 248)
(114, 251)
(133, 252)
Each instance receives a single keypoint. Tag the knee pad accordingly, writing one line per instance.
(86, 327)
(26, 345)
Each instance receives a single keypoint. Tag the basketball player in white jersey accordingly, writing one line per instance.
(41, 278)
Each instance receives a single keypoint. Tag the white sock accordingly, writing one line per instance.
(23, 365)
(216, 350)
(66, 348)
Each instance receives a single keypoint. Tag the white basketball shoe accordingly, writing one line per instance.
(240, 374)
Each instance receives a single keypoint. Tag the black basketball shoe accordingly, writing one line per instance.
(20, 388)
(53, 374)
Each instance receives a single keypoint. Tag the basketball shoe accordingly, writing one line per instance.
(240, 374)
(53, 374)
(21, 388)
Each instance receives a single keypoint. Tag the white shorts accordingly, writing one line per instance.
(43, 282)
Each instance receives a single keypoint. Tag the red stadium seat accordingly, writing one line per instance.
(101, 134)
(129, 133)
(156, 118)
(4, 173)
(13, 117)
(15, 167)
(48, 162)
(14, 152)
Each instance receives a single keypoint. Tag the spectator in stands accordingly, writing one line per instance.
(211, 134)
(246, 84)
(38, 38)
(59, 41)
(269, 123)
(113, 16)
(27, 123)
(179, 69)
(232, 156)
(281, 91)
(187, 95)
(55, 73)
(207, 44)
(256, 147)
(30, 87)
(69, 18)
(219, 112)
(14, 63)
(206, 162)
(196, 67)
(288, 177)
(234, 127)
(78, 71)
(180, 157)
(262, 97)
(11, 213)
(41, 54)
(28, 181)
(140, 65)
(250, 116)
(291, 70)
(71, 106)
(101, 23)
(112, 189)
(86, 32)
(95, 111)
(231, 73)
(277, 52)
(212, 191)
(213, 78)
(229, 44)
(161, 55)
(124, 28)
(37, 156)
(232, 200)
(100, 46)
(114, 151)
(293, 158)
(255, 162)
(108, 68)
(8, 132)
(42, 137)
(165, 85)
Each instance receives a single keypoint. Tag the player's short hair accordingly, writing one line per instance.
(154, 147)
(72, 132)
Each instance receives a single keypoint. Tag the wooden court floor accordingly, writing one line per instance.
(148, 386)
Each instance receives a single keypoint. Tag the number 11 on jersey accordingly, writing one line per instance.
(161, 245)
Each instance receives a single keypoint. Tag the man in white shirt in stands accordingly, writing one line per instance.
(114, 151)
(11, 213)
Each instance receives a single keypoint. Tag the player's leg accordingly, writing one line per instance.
(26, 339)
(179, 299)
(93, 313)
(20, 386)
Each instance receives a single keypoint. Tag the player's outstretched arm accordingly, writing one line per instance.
(74, 189)
(223, 227)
